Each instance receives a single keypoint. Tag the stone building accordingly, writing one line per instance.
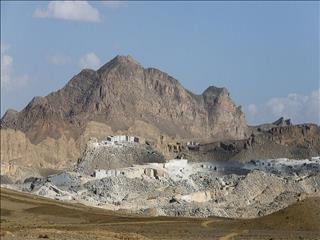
(121, 138)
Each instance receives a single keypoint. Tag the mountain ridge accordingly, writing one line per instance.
(122, 97)
(122, 91)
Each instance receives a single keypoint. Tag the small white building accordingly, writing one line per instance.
(100, 173)
(193, 145)
(121, 139)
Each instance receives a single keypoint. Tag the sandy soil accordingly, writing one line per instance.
(25, 216)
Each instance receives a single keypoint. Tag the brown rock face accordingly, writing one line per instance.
(294, 141)
(121, 93)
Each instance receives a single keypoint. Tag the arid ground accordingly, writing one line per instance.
(25, 216)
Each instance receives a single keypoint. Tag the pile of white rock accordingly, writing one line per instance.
(180, 188)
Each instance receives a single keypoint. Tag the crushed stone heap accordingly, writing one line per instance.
(180, 188)
(116, 154)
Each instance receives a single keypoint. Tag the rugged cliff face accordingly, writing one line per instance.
(122, 92)
(265, 142)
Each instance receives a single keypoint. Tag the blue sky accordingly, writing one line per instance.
(265, 53)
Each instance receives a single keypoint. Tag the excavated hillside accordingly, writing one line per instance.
(179, 188)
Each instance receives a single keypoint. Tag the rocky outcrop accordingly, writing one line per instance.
(282, 122)
(294, 141)
(103, 156)
(21, 159)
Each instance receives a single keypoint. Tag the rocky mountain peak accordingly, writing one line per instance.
(11, 116)
(282, 122)
(125, 59)
(120, 62)
(122, 92)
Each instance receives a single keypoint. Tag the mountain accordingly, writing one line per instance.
(122, 92)
(122, 97)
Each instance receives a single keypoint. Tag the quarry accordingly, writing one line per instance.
(177, 187)
(211, 133)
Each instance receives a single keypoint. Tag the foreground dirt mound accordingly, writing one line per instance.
(25, 216)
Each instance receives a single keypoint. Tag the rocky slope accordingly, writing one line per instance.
(178, 188)
(103, 156)
(121, 92)
(267, 141)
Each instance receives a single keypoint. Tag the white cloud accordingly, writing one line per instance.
(69, 10)
(6, 66)
(8, 77)
(300, 108)
(114, 4)
(90, 60)
(252, 108)
(59, 59)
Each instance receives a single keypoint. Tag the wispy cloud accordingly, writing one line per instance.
(90, 60)
(252, 109)
(9, 78)
(69, 10)
(300, 108)
(6, 65)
